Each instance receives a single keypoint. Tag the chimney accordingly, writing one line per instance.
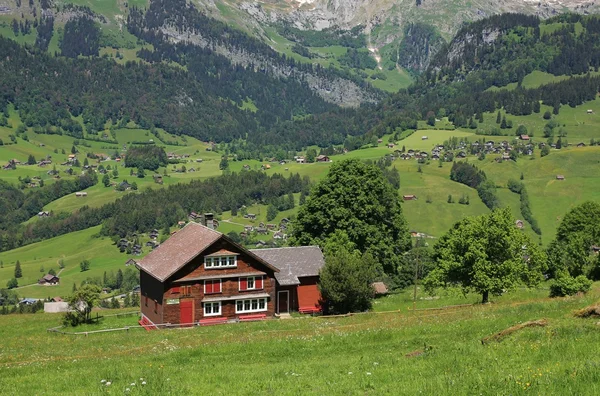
(208, 220)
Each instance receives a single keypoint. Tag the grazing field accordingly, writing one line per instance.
(71, 249)
(578, 123)
(402, 352)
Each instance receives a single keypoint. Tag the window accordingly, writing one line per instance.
(251, 283)
(220, 262)
(251, 305)
(212, 308)
(212, 286)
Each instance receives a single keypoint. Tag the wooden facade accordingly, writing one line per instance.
(197, 291)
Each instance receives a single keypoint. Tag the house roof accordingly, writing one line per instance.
(49, 277)
(380, 288)
(181, 248)
(293, 262)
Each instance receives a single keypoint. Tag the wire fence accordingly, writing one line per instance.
(152, 326)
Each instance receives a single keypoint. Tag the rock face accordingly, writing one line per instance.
(446, 15)
(335, 90)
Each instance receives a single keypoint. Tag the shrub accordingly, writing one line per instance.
(566, 285)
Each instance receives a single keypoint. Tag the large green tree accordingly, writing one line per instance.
(357, 199)
(83, 300)
(486, 254)
(577, 234)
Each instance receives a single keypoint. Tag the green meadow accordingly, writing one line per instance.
(397, 352)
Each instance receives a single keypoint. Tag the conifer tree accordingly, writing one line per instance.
(18, 271)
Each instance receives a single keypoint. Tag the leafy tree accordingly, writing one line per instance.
(86, 162)
(134, 186)
(12, 283)
(498, 118)
(84, 265)
(571, 250)
(18, 271)
(83, 300)
(450, 199)
(566, 285)
(545, 150)
(357, 199)
(31, 160)
(486, 254)
(345, 281)
(52, 272)
(115, 173)
(106, 180)
(547, 115)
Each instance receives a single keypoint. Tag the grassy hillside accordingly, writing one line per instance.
(550, 199)
(363, 354)
(71, 249)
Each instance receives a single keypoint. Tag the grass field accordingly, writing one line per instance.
(580, 125)
(72, 249)
(362, 354)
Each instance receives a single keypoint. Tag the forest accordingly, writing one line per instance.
(154, 208)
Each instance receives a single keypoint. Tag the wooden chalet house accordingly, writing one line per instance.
(200, 276)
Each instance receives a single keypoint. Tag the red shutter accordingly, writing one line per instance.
(243, 283)
(258, 283)
(175, 289)
(217, 286)
(208, 287)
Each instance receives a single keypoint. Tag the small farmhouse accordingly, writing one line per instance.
(409, 197)
(322, 158)
(49, 280)
(200, 276)
(560, 177)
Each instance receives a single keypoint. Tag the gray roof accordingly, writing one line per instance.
(293, 262)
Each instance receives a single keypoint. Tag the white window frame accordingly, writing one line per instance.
(212, 305)
(216, 262)
(212, 280)
(247, 305)
(254, 278)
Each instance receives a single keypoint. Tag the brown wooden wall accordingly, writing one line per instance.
(229, 287)
(151, 297)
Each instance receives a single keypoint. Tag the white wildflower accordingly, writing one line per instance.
(349, 372)
(108, 383)
(143, 382)
(103, 381)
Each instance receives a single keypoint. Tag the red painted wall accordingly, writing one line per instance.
(308, 292)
